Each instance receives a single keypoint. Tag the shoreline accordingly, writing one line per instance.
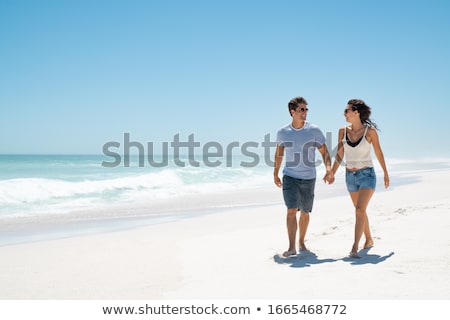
(117, 217)
(47, 230)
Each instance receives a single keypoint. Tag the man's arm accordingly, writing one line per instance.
(329, 176)
(279, 152)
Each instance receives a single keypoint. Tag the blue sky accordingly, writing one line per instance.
(77, 74)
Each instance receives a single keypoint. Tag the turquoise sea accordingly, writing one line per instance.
(33, 185)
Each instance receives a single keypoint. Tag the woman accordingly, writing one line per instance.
(354, 143)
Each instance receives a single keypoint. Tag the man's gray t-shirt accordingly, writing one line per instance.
(300, 149)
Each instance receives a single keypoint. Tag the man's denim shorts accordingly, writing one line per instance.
(298, 193)
(360, 179)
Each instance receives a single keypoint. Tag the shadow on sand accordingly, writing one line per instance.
(308, 258)
(366, 258)
(302, 260)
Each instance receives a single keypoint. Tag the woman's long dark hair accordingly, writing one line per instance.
(364, 112)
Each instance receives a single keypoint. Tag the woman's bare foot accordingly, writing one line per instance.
(354, 254)
(368, 244)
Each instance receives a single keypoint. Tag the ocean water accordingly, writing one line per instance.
(36, 185)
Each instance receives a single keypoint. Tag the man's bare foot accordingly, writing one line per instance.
(290, 252)
(303, 247)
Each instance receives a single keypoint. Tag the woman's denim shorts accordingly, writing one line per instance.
(298, 193)
(360, 179)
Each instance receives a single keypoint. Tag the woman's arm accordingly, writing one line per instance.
(340, 151)
(379, 154)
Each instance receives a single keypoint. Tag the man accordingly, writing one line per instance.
(299, 140)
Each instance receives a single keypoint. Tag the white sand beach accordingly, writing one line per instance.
(234, 253)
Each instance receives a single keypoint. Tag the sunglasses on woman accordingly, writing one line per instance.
(347, 110)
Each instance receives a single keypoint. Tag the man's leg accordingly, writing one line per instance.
(303, 227)
(291, 223)
(306, 204)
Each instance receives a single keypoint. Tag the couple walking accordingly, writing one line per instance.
(298, 142)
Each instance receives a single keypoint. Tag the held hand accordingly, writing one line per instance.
(277, 181)
(331, 180)
(329, 177)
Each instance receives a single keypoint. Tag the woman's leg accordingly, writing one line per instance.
(367, 233)
(361, 201)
